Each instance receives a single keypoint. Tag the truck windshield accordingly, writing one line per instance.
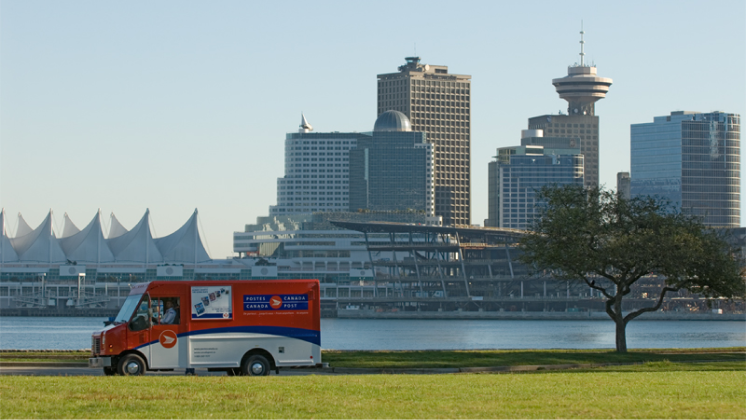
(128, 308)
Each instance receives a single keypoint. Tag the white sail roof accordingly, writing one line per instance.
(184, 245)
(87, 245)
(23, 227)
(137, 245)
(7, 253)
(70, 229)
(41, 245)
(116, 228)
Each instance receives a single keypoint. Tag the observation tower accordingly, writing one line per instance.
(582, 87)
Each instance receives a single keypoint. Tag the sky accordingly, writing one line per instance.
(174, 106)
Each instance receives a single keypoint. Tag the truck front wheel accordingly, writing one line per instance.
(256, 365)
(131, 364)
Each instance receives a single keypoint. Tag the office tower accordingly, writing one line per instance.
(316, 172)
(581, 88)
(518, 172)
(439, 104)
(393, 169)
(623, 185)
(693, 160)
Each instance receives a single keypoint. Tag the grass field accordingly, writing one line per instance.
(654, 390)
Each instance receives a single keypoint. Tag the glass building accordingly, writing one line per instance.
(693, 160)
(393, 169)
(520, 171)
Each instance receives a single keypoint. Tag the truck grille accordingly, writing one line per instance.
(96, 345)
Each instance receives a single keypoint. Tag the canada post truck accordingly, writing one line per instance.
(244, 327)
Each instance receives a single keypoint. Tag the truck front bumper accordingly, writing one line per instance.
(99, 362)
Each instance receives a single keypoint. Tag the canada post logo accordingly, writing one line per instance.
(275, 302)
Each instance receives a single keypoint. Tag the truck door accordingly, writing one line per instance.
(139, 325)
(165, 352)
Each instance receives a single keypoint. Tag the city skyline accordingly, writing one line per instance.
(176, 106)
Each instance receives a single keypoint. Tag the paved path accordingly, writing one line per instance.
(85, 371)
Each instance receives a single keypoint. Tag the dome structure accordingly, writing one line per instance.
(392, 121)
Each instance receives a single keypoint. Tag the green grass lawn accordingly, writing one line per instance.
(483, 358)
(655, 390)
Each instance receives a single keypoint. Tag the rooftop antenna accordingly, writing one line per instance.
(415, 49)
(582, 43)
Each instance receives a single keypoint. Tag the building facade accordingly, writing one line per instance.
(623, 186)
(439, 104)
(691, 159)
(518, 172)
(317, 172)
(393, 169)
(581, 88)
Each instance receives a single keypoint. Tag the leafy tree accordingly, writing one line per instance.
(597, 237)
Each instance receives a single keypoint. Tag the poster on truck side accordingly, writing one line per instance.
(212, 302)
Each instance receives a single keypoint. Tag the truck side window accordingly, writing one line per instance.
(169, 310)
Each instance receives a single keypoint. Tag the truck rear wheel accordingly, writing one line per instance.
(256, 365)
(131, 364)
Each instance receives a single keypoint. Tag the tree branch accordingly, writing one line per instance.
(592, 285)
(635, 314)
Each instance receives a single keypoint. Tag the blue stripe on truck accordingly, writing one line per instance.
(311, 336)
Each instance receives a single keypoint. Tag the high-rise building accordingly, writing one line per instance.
(518, 172)
(623, 185)
(581, 88)
(693, 160)
(316, 172)
(439, 104)
(393, 169)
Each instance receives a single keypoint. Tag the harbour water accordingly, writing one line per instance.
(394, 334)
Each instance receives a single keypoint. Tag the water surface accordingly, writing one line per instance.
(393, 334)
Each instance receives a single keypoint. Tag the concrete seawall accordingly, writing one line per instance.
(557, 316)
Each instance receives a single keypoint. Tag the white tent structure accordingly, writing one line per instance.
(184, 245)
(41, 245)
(87, 245)
(116, 229)
(137, 245)
(7, 253)
(70, 229)
(23, 227)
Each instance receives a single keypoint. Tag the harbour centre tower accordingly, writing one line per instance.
(581, 88)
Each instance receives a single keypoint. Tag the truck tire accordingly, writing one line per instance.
(131, 364)
(256, 365)
(110, 371)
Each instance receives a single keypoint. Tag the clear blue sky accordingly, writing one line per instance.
(177, 105)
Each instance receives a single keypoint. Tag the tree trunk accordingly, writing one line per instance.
(621, 336)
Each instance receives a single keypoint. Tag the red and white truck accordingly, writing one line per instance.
(243, 327)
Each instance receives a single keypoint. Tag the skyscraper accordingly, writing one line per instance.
(581, 88)
(393, 169)
(693, 160)
(520, 171)
(439, 104)
(316, 172)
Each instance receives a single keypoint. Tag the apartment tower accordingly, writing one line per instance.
(439, 104)
(581, 88)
